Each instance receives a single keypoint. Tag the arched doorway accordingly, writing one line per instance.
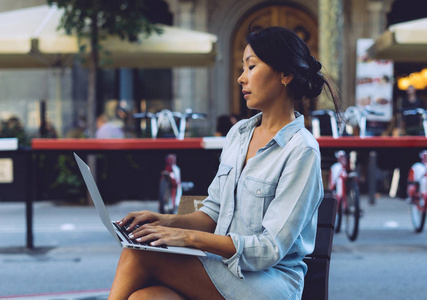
(274, 15)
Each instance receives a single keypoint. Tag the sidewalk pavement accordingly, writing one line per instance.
(75, 257)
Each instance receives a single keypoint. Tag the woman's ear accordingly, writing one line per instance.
(286, 79)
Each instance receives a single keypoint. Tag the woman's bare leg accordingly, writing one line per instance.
(156, 292)
(183, 275)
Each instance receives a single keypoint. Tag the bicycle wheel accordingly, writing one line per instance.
(165, 197)
(352, 210)
(418, 213)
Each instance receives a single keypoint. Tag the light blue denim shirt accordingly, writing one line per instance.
(269, 209)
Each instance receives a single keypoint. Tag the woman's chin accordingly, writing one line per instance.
(250, 105)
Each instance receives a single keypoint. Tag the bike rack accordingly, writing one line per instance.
(165, 115)
(316, 124)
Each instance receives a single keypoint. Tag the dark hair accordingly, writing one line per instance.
(284, 51)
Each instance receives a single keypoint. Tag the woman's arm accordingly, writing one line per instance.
(196, 221)
(206, 241)
(192, 230)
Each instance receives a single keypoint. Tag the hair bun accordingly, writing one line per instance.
(314, 64)
(315, 80)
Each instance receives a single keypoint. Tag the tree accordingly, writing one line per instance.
(93, 21)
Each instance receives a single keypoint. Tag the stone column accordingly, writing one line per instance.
(330, 44)
(183, 78)
(190, 85)
(377, 22)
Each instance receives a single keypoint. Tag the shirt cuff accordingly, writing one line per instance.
(233, 262)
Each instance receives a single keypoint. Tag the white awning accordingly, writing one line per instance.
(29, 38)
(402, 42)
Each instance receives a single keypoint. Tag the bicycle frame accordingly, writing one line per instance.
(338, 175)
(170, 186)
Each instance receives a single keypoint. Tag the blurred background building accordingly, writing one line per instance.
(331, 28)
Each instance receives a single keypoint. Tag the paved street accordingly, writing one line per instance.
(387, 261)
(75, 257)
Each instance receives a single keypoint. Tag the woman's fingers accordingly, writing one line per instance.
(159, 235)
(138, 218)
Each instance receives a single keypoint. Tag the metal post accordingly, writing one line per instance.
(372, 176)
(30, 176)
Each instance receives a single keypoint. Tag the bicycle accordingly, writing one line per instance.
(344, 185)
(417, 179)
(417, 192)
(170, 185)
(343, 180)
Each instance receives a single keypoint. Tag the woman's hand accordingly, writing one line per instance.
(158, 235)
(194, 230)
(144, 217)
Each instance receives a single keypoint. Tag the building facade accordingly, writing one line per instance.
(331, 28)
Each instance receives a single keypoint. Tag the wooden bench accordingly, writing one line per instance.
(317, 278)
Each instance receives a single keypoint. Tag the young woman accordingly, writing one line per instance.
(259, 219)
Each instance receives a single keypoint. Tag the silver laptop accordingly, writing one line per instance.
(116, 231)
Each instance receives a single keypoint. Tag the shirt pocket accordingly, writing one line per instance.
(256, 196)
(223, 172)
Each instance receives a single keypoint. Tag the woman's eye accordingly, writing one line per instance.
(251, 67)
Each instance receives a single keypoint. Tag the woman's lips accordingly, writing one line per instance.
(246, 94)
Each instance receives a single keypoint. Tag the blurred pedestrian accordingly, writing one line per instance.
(79, 129)
(47, 130)
(13, 127)
(412, 123)
(107, 129)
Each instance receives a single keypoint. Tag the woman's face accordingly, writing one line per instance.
(261, 85)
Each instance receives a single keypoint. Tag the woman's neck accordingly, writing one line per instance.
(274, 120)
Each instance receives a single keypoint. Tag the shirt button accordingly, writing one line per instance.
(229, 215)
(258, 192)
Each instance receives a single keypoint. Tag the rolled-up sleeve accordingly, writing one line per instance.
(288, 217)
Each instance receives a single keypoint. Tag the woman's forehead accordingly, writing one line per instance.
(248, 54)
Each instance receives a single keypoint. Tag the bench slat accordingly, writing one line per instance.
(327, 212)
(323, 246)
(316, 284)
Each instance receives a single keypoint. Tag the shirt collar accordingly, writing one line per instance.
(283, 135)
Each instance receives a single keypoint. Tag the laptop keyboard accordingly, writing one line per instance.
(125, 233)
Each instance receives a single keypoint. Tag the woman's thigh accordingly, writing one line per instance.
(182, 273)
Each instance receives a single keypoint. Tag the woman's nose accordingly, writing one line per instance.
(241, 80)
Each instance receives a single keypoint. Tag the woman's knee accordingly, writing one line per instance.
(156, 292)
(133, 256)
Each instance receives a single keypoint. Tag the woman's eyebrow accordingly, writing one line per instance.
(247, 58)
